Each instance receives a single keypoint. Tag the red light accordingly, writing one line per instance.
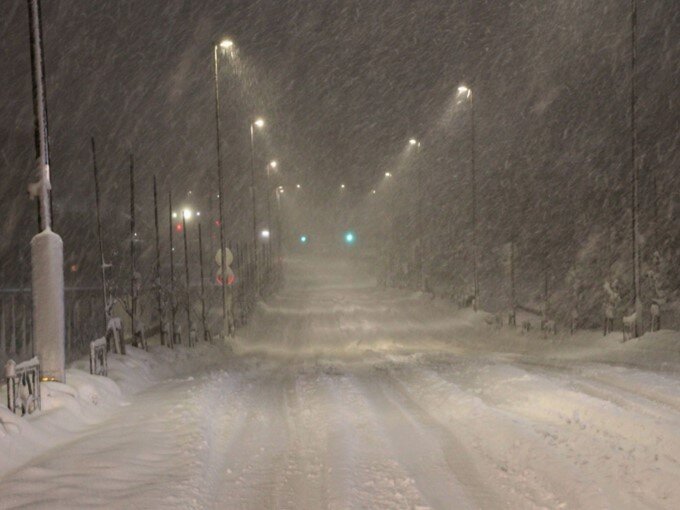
(230, 279)
(217, 223)
(178, 227)
(74, 268)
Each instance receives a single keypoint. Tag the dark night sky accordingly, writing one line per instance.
(343, 84)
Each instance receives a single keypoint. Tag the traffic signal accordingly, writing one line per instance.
(350, 238)
(303, 239)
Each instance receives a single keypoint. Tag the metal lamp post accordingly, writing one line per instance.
(47, 249)
(227, 326)
(419, 214)
(467, 92)
(259, 123)
(635, 187)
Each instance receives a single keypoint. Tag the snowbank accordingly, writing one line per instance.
(69, 409)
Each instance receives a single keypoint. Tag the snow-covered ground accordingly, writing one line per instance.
(340, 395)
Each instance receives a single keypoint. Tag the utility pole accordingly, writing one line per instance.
(47, 249)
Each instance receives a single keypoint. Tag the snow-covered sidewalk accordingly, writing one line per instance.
(343, 396)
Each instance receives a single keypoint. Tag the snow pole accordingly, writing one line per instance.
(186, 277)
(47, 249)
(172, 275)
(100, 238)
(157, 276)
(206, 332)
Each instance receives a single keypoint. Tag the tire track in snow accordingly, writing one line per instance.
(601, 440)
(440, 466)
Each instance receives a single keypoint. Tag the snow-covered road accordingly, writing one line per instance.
(344, 396)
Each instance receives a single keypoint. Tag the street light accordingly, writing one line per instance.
(257, 123)
(270, 167)
(463, 90)
(342, 186)
(225, 45)
(298, 186)
(420, 199)
(388, 174)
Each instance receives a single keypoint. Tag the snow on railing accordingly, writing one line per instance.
(98, 359)
(23, 386)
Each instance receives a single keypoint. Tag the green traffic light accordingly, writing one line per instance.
(303, 239)
(350, 237)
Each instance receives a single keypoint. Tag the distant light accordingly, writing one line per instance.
(413, 141)
(280, 189)
(226, 44)
(388, 174)
(298, 186)
(189, 192)
(350, 237)
(174, 215)
(187, 214)
(179, 227)
(373, 191)
(259, 122)
(198, 213)
(303, 239)
(273, 164)
(342, 186)
(264, 234)
(464, 90)
(74, 268)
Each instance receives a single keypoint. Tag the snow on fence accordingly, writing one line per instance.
(98, 360)
(23, 386)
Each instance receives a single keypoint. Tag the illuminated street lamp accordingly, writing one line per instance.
(257, 123)
(298, 186)
(226, 45)
(419, 221)
(388, 174)
(342, 186)
(268, 189)
(466, 95)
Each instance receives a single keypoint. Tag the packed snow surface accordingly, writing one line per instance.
(341, 395)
